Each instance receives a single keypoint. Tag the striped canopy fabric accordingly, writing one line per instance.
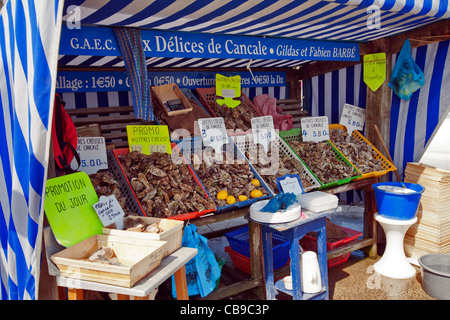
(29, 38)
(337, 20)
(308, 19)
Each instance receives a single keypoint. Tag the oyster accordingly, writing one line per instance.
(105, 185)
(104, 255)
(358, 152)
(138, 225)
(234, 118)
(232, 175)
(164, 188)
(321, 159)
(271, 171)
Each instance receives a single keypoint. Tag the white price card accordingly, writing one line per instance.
(214, 133)
(353, 118)
(263, 131)
(92, 151)
(290, 183)
(315, 129)
(109, 211)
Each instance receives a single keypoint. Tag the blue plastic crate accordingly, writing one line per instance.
(239, 242)
(195, 145)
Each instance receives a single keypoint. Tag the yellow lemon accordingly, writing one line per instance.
(255, 182)
(256, 193)
(231, 199)
(242, 198)
(222, 194)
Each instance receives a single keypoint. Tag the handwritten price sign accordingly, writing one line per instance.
(92, 151)
(68, 207)
(290, 183)
(214, 133)
(149, 139)
(228, 88)
(109, 211)
(315, 129)
(353, 118)
(263, 131)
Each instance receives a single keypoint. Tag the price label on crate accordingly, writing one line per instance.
(290, 183)
(228, 88)
(353, 118)
(92, 151)
(109, 211)
(149, 139)
(315, 129)
(263, 131)
(214, 133)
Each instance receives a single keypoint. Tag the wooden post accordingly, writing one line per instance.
(75, 294)
(378, 108)
(181, 284)
(293, 85)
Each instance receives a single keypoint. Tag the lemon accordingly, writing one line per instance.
(242, 197)
(231, 199)
(256, 193)
(255, 182)
(222, 194)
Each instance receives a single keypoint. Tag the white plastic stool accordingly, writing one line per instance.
(393, 263)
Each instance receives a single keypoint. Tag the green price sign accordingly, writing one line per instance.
(68, 207)
(149, 139)
(374, 71)
(228, 88)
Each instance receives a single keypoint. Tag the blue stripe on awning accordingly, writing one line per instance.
(320, 15)
(106, 10)
(436, 81)
(27, 72)
(341, 20)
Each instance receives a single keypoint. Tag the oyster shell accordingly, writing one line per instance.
(271, 171)
(164, 188)
(105, 185)
(233, 175)
(321, 159)
(358, 152)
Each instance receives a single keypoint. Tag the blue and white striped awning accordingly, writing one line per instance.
(29, 33)
(336, 20)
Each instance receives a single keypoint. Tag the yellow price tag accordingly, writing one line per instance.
(69, 208)
(374, 70)
(228, 88)
(149, 139)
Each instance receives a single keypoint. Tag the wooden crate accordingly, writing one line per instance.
(172, 232)
(168, 92)
(293, 108)
(138, 257)
(431, 233)
(107, 122)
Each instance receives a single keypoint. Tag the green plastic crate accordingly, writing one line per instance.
(296, 134)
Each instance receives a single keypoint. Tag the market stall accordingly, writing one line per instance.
(264, 43)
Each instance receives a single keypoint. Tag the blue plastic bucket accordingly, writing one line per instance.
(397, 206)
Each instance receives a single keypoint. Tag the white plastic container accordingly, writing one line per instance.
(291, 213)
(317, 201)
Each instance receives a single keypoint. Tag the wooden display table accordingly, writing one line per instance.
(173, 264)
